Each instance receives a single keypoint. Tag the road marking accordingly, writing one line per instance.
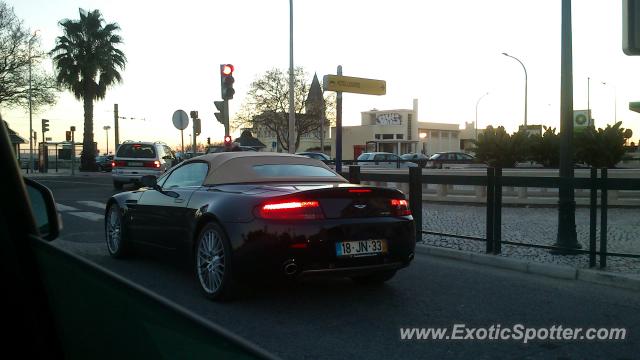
(87, 215)
(95, 204)
(61, 207)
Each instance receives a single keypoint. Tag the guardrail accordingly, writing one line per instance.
(494, 181)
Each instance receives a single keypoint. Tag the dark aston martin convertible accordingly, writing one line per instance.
(242, 214)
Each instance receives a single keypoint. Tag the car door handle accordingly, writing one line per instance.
(178, 201)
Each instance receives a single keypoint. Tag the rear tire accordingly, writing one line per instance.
(374, 278)
(117, 185)
(212, 263)
(115, 236)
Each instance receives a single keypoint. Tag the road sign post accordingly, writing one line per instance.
(338, 124)
(180, 121)
(340, 84)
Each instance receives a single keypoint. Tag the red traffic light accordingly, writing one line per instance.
(226, 69)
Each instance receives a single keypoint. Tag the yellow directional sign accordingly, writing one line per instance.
(354, 85)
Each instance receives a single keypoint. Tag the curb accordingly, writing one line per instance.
(549, 270)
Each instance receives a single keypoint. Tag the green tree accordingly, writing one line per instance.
(88, 62)
(266, 107)
(602, 147)
(19, 49)
(497, 148)
(545, 149)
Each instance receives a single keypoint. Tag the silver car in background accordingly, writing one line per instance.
(383, 160)
(135, 159)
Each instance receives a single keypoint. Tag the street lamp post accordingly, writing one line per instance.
(525, 86)
(475, 125)
(615, 101)
(106, 130)
(30, 106)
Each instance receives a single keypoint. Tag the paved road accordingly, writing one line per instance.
(334, 319)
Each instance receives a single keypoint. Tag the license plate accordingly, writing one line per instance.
(361, 248)
(133, 163)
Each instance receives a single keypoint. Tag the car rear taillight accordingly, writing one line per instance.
(118, 163)
(291, 210)
(400, 207)
(152, 164)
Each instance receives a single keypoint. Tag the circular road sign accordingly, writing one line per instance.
(180, 119)
(581, 119)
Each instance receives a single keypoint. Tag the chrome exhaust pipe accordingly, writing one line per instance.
(290, 268)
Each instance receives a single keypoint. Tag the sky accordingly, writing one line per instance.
(446, 54)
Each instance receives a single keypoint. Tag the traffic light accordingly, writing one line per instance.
(68, 135)
(220, 116)
(227, 141)
(196, 126)
(208, 141)
(226, 81)
(45, 126)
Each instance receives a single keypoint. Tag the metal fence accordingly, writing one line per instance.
(494, 181)
(51, 158)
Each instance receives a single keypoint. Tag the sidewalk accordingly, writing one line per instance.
(65, 172)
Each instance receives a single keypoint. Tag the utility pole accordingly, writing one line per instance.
(292, 111)
(116, 132)
(567, 237)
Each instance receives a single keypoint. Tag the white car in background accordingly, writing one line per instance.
(135, 159)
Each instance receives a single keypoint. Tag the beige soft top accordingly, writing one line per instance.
(237, 167)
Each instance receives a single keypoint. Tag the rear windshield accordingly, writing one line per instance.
(435, 157)
(363, 157)
(137, 151)
(291, 170)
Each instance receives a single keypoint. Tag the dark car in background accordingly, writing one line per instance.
(443, 160)
(104, 162)
(420, 159)
(315, 155)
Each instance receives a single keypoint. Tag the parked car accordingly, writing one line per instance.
(383, 160)
(420, 159)
(245, 214)
(221, 148)
(445, 159)
(135, 159)
(104, 162)
(315, 155)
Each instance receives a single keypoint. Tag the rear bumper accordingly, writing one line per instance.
(267, 246)
(129, 176)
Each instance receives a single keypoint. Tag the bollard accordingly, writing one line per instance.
(354, 174)
(603, 218)
(415, 199)
(593, 217)
(497, 217)
(491, 173)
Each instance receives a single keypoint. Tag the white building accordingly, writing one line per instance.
(399, 131)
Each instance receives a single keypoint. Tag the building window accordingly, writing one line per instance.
(454, 135)
(400, 136)
(435, 134)
(387, 136)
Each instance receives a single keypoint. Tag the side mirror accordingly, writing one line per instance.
(44, 210)
(149, 181)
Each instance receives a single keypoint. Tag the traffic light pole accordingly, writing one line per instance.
(226, 117)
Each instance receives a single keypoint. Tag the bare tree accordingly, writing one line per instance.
(266, 106)
(15, 55)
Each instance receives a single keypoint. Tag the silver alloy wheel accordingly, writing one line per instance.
(210, 261)
(114, 230)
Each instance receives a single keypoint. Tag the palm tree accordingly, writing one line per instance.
(87, 63)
